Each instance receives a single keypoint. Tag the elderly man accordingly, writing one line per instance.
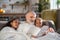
(25, 27)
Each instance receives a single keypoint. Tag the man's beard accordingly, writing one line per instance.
(32, 22)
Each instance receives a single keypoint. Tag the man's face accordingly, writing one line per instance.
(31, 17)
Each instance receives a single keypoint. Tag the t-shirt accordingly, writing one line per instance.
(25, 27)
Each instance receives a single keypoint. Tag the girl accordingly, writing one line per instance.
(9, 31)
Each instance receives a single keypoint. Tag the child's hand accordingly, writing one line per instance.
(50, 30)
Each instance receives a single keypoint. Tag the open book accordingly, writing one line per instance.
(36, 30)
(39, 31)
(43, 30)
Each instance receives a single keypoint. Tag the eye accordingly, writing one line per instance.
(16, 21)
(31, 17)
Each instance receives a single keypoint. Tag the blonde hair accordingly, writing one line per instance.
(41, 20)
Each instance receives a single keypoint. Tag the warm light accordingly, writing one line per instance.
(2, 11)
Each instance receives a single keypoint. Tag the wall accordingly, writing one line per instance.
(16, 9)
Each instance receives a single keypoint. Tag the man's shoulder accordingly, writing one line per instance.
(24, 23)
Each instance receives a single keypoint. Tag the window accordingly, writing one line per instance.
(53, 4)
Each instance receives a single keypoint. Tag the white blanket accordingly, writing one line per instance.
(13, 36)
(50, 36)
(9, 33)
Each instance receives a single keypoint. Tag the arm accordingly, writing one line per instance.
(50, 30)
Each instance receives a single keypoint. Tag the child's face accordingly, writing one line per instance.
(15, 23)
(38, 23)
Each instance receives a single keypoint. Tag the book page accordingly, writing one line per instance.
(43, 30)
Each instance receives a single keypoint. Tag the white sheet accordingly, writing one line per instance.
(50, 36)
(13, 36)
